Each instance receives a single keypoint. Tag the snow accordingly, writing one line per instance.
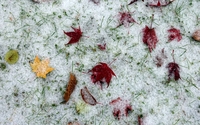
(37, 29)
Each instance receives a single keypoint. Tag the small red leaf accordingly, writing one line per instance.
(174, 34)
(101, 73)
(102, 46)
(125, 19)
(87, 97)
(75, 35)
(160, 5)
(173, 69)
(149, 36)
(120, 107)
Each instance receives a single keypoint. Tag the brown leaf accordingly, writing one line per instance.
(87, 97)
(70, 87)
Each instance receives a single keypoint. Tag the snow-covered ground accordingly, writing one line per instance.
(36, 29)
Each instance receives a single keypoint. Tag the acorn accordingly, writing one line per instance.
(196, 35)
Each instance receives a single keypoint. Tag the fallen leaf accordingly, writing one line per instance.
(12, 56)
(173, 69)
(174, 34)
(74, 35)
(125, 19)
(158, 4)
(120, 107)
(41, 68)
(70, 87)
(96, 1)
(149, 37)
(133, 1)
(87, 97)
(196, 35)
(159, 59)
(102, 46)
(101, 73)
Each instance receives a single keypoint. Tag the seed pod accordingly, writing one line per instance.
(70, 87)
(12, 56)
(196, 35)
(87, 97)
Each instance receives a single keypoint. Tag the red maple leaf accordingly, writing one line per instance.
(149, 37)
(120, 107)
(133, 1)
(74, 35)
(173, 69)
(101, 73)
(174, 34)
(125, 19)
(159, 4)
(102, 46)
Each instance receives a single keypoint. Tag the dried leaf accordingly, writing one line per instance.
(125, 19)
(87, 97)
(149, 37)
(173, 69)
(196, 35)
(70, 87)
(120, 107)
(133, 1)
(96, 1)
(102, 46)
(12, 56)
(41, 68)
(174, 34)
(102, 73)
(74, 35)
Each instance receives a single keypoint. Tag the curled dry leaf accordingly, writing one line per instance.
(174, 34)
(149, 37)
(196, 35)
(120, 107)
(41, 68)
(87, 97)
(74, 35)
(70, 87)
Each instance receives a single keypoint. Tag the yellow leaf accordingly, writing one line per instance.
(41, 68)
